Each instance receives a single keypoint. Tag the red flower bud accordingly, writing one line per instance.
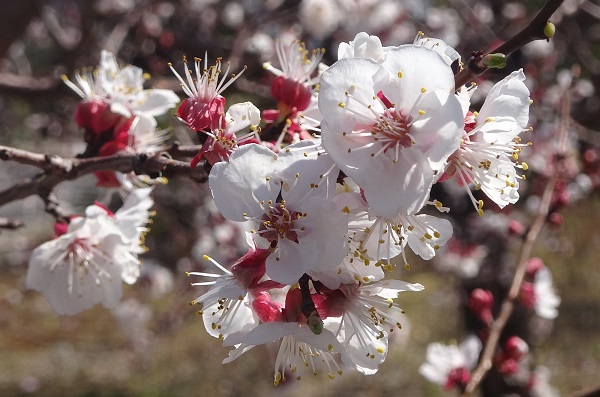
(480, 302)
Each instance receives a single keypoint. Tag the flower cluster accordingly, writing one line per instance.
(337, 184)
(118, 114)
(335, 188)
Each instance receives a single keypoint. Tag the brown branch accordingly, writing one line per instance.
(58, 169)
(533, 31)
(485, 361)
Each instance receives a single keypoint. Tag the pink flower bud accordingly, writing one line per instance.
(480, 302)
(515, 228)
(555, 219)
(533, 265)
(508, 367)
(527, 295)
(515, 348)
(458, 377)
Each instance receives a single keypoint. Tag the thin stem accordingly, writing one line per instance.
(533, 31)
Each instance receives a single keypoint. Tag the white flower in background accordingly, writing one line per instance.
(450, 365)
(546, 299)
(122, 89)
(490, 144)
(287, 196)
(461, 258)
(320, 17)
(87, 263)
(391, 126)
(125, 87)
(540, 294)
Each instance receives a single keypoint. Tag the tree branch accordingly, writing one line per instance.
(58, 169)
(485, 361)
(533, 31)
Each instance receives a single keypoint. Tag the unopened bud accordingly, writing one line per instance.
(515, 348)
(315, 323)
(495, 61)
(533, 265)
(549, 30)
(480, 302)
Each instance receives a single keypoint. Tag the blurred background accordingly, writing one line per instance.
(152, 343)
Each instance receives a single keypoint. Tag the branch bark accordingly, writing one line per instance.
(57, 169)
(533, 31)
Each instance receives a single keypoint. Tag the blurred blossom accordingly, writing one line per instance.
(445, 23)
(585, 88)
(232, 14)
(484, 13)
(320, 18)
(513, 11)
(159, 278)
(538, 49)
(90, 257)
(540, 383)
(30, 384)
(450, 365)
(262, 44)
(114, 6)
(546, 299)
(133, 317)
(461, 258)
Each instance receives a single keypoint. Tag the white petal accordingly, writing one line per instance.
(509, 97)
(234, 183)
(156, 102)
(241, 115)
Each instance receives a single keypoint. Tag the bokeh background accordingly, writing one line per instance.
(152, 343)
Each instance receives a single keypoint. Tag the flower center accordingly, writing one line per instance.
(278, 222)
(393, 129)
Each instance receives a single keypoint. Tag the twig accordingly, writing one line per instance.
(533, 31)
(485, 361)
(58, 169)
